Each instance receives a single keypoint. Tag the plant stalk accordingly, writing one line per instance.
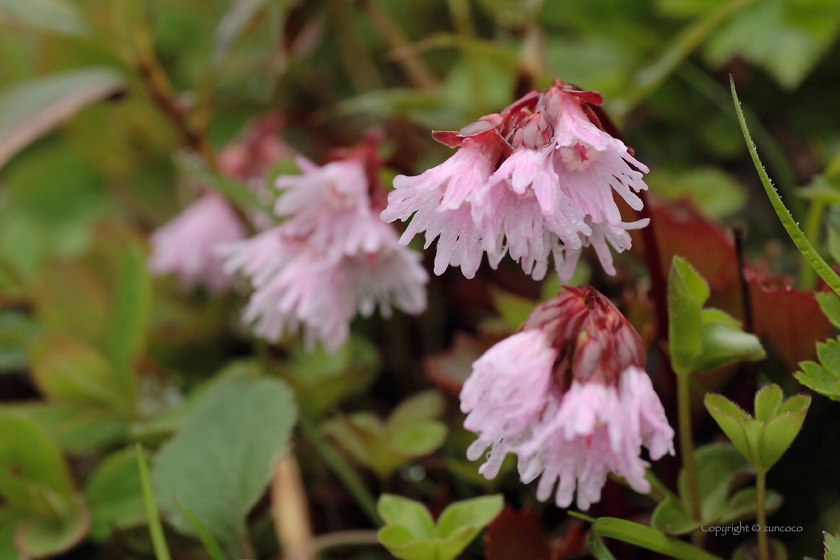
(761, 516)
(687, 444)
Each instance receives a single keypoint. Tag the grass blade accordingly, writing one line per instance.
(210, 544)
(152, 515)
(799, 239)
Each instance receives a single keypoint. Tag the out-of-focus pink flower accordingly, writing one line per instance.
(186, 245)
(331, 259)
(539, 178)
(250, 155)
(568, 395)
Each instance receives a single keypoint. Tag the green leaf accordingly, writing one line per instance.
(780, 432)
(131, 303)
(114, 495)
(799, 239)
(832, 546)
(70, 298)
(33, 475)
(725, 343)
(322, 380)
(514, 309)
(785, 37)
(687, 292)
(53, 16)
(818, 379)
(69, 371)
(649, 539)
(834, 242)
(733, 421)
(716, 192)
(17, 331)
(76, 428)
(476, 513)
(9, 520)
(720, 469)
(411, 534)
(228, 443)
(232, 24)
(828, 353)
(210, 544)
(396, 510)
(671, 517)
(830, 306)
(767, 402)
(236, 192)
(30, 109)
(422, 407)
(38, 537)
(152, 514)
(742, 505)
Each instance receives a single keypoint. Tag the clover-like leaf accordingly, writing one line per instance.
(780, 432)
(742, 505)
(832, 546)
(823, 378)
(762, 441)
(411, 534)
(411, 431)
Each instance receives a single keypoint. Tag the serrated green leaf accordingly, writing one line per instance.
(802, 244)
(832, 546)
(818, 379)
(228, 441)
(828, 353)
(830, 306)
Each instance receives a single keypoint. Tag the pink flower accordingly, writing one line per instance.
(597, 429)
(569, 397)
(297, 285)
(331, 259)
(539, 178)
(186, 245)
(441, 197)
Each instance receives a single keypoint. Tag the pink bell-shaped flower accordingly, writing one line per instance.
(569, 396)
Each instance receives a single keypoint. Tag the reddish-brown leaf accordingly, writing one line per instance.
(516, 535)
(448, 370)
(791, 321)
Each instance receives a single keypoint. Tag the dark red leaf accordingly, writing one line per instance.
(516, 535)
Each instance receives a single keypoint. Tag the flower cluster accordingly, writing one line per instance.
(331, 257)
(533, 181)
(186, 245)
(569, 396)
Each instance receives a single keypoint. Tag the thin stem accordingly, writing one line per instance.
(361, 69)
(342, 470)
(761, 516)
(687, 444)
(345, 538)
(414, 66)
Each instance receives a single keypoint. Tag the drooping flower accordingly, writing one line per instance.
(186, 245)
(533, 181)
(330, 259)
(569, 396)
